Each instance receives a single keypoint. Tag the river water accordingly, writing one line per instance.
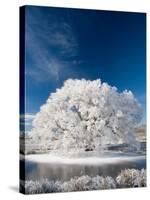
(38, 169)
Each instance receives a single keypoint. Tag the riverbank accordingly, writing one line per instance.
(128, 178)
(108, 158)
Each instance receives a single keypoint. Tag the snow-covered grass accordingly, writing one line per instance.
(126, 178)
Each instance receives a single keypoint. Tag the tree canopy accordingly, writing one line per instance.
(87, 115)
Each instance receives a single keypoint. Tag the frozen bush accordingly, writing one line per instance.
(126, 178)
(131, 178)
(43, 186)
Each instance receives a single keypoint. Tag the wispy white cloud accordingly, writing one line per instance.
(49, 69)
(49, 45)
(61, 36)
(27, 116)
(26, 119)
(26, 123)
(77, 62)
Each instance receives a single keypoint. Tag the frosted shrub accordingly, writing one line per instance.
(104, 183)
(131, 178)
(77, 184)
(43, 186)
(33, 187)
(83, 183)
(127, 178)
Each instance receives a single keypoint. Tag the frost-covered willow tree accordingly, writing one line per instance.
(86, 115)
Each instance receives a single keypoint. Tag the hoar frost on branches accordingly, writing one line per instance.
(86, 115)
(127, 178)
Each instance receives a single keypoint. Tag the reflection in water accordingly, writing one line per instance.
(64, 172)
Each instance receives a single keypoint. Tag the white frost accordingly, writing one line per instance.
(94, 160)
(87, 115)
(131, 178)
(127, 178)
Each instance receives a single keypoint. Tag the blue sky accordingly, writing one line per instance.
(74, 43)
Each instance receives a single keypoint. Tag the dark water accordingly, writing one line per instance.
(63, 172)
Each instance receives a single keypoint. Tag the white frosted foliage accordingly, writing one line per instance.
(127, 178)
(86, 115)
